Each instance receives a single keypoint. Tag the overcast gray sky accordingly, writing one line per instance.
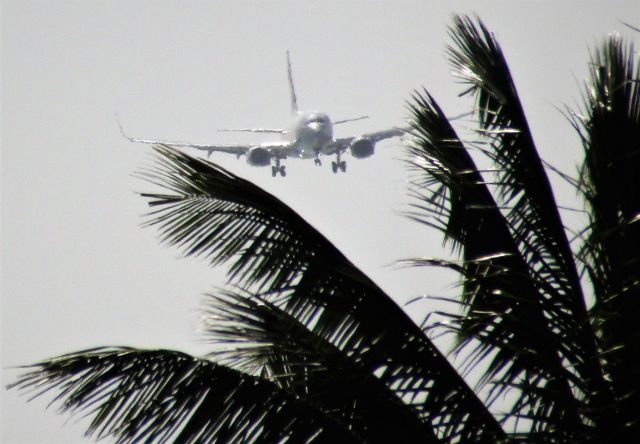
(77, 269)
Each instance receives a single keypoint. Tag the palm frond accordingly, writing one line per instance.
(350, 315)
(215, 213)
(267, 340)
(523, 186)
(220, 216)
(167, 396)
(533, 215)
(504, 317)
(610, 132)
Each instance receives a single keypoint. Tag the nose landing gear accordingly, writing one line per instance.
(317, 160)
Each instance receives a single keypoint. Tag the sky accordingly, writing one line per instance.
(79, 271)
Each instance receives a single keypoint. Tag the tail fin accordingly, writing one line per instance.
(292, 91)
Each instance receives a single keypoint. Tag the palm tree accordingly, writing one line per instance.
(309, 349)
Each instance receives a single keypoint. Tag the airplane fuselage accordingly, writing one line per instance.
(312, 133)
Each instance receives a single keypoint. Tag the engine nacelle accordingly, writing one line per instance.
(258, 156)
(361, 147)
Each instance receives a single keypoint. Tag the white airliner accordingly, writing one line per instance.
(311, 135)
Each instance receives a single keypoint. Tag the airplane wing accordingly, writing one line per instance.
(238, 150)
(342, 144)
(280, 150)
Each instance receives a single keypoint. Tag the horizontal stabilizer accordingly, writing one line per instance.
(256, 130)
(350, 120)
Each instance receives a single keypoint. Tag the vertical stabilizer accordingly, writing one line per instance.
(292, 91)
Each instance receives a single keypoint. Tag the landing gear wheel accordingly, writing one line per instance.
(274, 171)
(283, 172)
(318, 162)
(334, 167)
(343, 166)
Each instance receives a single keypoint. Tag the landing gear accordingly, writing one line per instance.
(278, 169)
(317, 159)
(339, 165)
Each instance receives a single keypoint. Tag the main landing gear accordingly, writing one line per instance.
(278, 169)
(339, 165)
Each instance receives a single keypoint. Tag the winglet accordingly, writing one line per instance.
(292, 91)
(136, 140)
(130, 139)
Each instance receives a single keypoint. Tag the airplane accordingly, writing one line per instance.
(310, 136)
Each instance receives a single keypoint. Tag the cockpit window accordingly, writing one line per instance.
(319, 118)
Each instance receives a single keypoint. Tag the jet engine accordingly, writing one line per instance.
(361, 147)
(258, 156)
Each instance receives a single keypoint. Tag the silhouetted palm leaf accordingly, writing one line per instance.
(523, 307)
(268, 341)
(161, 395)
(525, 193)
(503, 315)
(610, 132)
(523, 189)
(316, 285)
